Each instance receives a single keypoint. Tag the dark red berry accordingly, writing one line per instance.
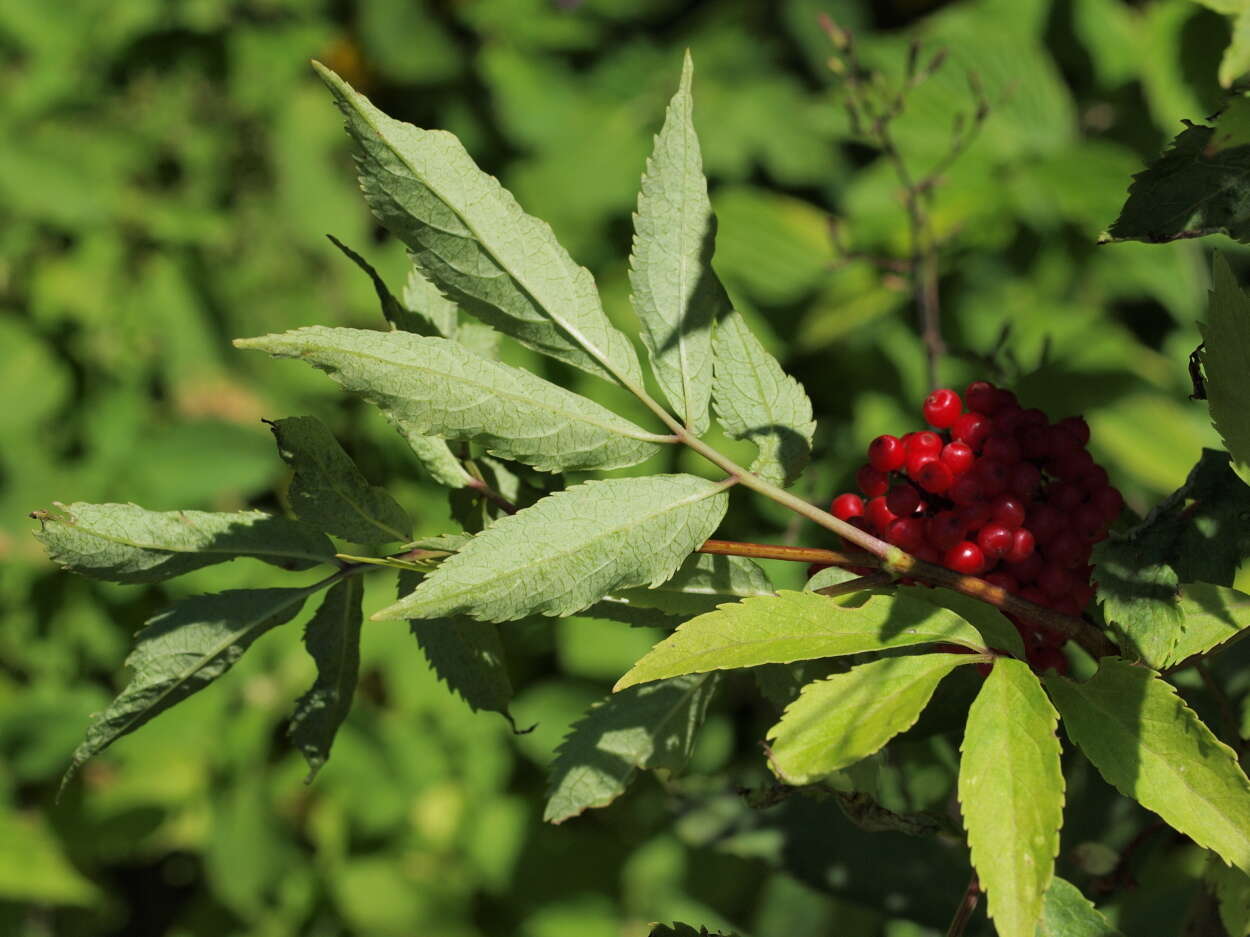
(1109, 501)
(1073, 464)
(1009, 511)
(1025, 479)
(964, 557)
(935, 476)
(994, 540)
(942, 408)
(993, 475)
(1054, 581)
(1046, 657)
(1003, 580)
(1060, 441)
(965, 489)
(1022, 552)
(1004, 449)
(974, 516)
(944, 530)
(887, 453)
(1089, 522)
(1068, 550)
(982, 396)
(1065, 497)
(972, 428)
(903, 500)
(906, 533)
(1045, 522)
(872, 482)
(1077, 426)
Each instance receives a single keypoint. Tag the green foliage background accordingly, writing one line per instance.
(167, 176)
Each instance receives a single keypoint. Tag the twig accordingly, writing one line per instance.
(967, 905)
(769, 551)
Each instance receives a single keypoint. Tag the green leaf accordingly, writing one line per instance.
(395, 312)
(423, 301)
(328, 490)
(1232, 892)
(683, 930)
(702, 582)
(1236, 60)
(647, 727)
(471, 239)
(1011, 791)
(1068, 913)
(1226, 363)
(435, 386)
(184, 649)
(1210, 616)
(126, 543)
(1150, 746)
(842, 719)
(790, 626)
(1196, 535)
(439, 462)
(332, 637)
(467, 655)
(572, 548)
(996, 631)
(755, 399)
(1190, 191)
(676, 293)
(34, 869)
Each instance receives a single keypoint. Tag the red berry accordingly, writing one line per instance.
(982, 396)
(872, 482)
(944, 530)
(1073, 464)
(965, 489)
(928, 553)
(1003, 448)
(1089, 522)
(1035, 442)
(1009, 511)
(903, 500)
(1003, 580)
(1022, 553)
(1054, 581)
(1007, 400)
(1077, 426)
(887, 453)
(879, 515)
(993, 475)
(964, 557)
(923, 441)
(1025, 480)
(995, 540)
(1045, 522)
(942, 408)
(906, 533)
(1060, 441)
(1065, 497)
(1109, 501)
(935, 476)
(1068, 550)
(916, 461)
(958, 457)
(846, 506)
(974, 516)
(972, 428)
(1032, 418)
(1047, 657)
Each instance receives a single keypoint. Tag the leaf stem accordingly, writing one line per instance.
(967, 905)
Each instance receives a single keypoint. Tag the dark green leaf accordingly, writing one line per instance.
(683, 930)
(1226, 363)
(395, 312)
(1068, 913)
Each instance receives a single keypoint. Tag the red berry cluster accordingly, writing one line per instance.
(993, 490)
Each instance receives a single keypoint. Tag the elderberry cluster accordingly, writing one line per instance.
(993, 490)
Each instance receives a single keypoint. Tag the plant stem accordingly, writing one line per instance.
(768, 551)
(871, 581)
(967, 904)
(1232, 726)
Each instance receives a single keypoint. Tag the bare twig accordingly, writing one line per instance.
(967, 905)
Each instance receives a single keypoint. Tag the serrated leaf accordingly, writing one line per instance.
(996, 630)
(1226, 363)
(127, 543)
(683, 930)
(790, 626)
(439, 462)
(754, 399)
(471, 239)
(1232, 892)
(701, 583)
(184, 649)
(676, 293)
(647, 727)
(435, 386)
(572, 548)
(329, 492)
(844, 718)
(332, 638)
(392, 309)
(1196, 535)
(424, 302)
(1068, 913)
(1190, 191)
(1150, 746)
(1210, 616)
(467, 655)
(1011, 793)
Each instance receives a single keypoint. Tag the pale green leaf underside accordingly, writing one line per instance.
(329, 492)
(127, 543)
(646, 727)
(184, 649)
(572, 548)
(432, 386)
(436, 457)
(1150, 746)
(422, 300)
(1210, 616)
(1011, 792)
(790, 626)
(996, 630)
(842, 719)
(702, 582)
(471, 239)
(1226, 364)
(755, 399)
(676, 293)
(332, 638)
(467, 655)
(1068, 913)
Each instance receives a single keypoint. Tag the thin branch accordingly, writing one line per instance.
(967, 905)
(490, 494)
(769, 551)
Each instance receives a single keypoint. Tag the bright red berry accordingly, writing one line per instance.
(907, 533)
(972, 428)
(942, 408)
(935, 476)
(994, 540)
(964, 557)
(872, 482)
(846, 506)
(887, 453)
(1021, 553)
(879, 515)
(918, 460)
(923, 441)
(958, 457)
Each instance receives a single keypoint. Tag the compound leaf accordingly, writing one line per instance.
(755, 399)
(676, 293)
(1226, 364)
(1011, 791)
(436, 386)
(1150, 746)
(651, 727)
(329, 492)
(702, 582)
(572, 548)
(470, 238)
(127, 543)
(844, 718)
(184, 649)
(1068, 913)
(790, 626)
(332, 637)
